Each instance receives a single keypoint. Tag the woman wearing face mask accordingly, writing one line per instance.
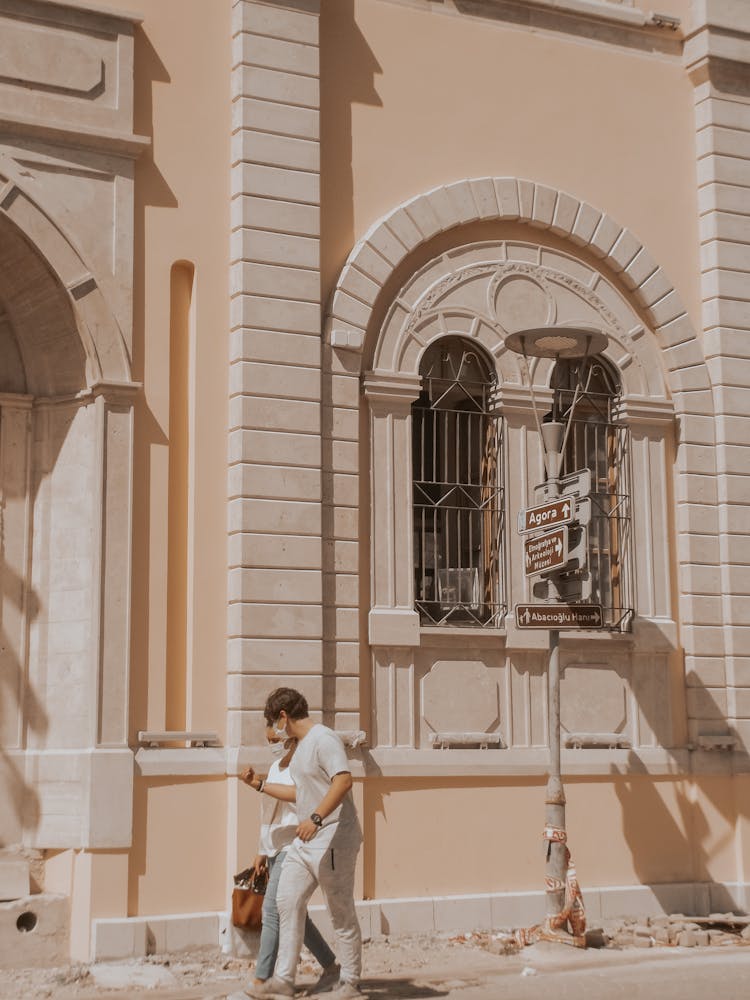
(278, 829)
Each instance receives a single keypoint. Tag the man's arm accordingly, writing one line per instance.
(340, 784)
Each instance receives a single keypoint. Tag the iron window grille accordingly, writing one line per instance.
(457, 489)
(600, 442)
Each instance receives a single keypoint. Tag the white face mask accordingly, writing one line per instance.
(280, 732)
(277, 749)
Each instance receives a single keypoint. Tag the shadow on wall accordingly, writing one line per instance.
(18, 701)
(348, 70)
(684, 843)
(41, 355)
(151, 191)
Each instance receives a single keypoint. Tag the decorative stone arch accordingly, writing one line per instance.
(391, 239)
(106, 353)
(670, 341)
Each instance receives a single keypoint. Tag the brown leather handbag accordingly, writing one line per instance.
(247, 899)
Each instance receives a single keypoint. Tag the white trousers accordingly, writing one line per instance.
(306, 867)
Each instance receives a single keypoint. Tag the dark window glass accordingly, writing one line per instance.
(598, 441)
(458, 497)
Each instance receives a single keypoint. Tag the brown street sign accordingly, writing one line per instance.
(545, 552)
(558, 616)
(547, 515)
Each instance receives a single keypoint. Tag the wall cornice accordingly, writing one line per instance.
(125, 144)
(594, 20)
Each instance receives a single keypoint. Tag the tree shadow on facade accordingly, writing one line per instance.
(18, 699)
(676, 847)
(42, 357)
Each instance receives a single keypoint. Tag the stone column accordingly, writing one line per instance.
(717, 56)
(275, 579)
(393, 622)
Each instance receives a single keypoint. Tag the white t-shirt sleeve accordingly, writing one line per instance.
(332, 755)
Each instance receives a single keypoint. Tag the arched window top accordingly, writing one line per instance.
(590, 386)
(456, 375)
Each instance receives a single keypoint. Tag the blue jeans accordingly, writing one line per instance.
(269, 935)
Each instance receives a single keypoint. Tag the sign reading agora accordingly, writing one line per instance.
(547, 515)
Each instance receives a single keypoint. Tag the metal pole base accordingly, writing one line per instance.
(559, 936)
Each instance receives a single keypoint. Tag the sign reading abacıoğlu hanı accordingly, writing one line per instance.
(558, 616)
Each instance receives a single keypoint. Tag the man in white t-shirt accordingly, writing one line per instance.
(324, 851)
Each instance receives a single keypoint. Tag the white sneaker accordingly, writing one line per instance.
(272, 989)
(347, 991)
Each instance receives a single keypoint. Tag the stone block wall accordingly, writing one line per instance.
(275, 493)
(718, 60)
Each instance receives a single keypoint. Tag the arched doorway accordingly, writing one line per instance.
(65, 473)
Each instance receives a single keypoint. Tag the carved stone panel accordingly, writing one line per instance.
(593, 699)
(460, 696)
(65, 65)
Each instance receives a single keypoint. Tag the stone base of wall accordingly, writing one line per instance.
(135, 937)
(34, 931)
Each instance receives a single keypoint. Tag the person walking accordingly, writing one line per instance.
(277, 832)
(324, 851)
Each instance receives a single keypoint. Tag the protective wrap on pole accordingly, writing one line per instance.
(572, 917)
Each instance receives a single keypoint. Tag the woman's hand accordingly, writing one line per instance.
(250, 778)
(260, 863)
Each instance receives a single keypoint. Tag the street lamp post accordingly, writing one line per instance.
(555, 343)
(554, 813)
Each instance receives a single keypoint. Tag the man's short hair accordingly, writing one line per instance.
(285, 700)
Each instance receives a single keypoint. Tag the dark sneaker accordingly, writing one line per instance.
(328, 980)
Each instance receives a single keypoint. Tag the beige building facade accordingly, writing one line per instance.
(260, 426)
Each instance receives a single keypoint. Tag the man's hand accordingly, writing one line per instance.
(306, 830)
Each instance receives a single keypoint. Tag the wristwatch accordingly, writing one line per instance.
(317, 819)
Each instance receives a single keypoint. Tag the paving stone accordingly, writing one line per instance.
(720, 937)
(120, 975)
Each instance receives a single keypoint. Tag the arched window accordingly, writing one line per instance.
(458, 496)
(598, 441)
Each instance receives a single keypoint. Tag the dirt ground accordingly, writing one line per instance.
(468, 967)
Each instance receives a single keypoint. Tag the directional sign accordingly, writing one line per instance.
(577, 483)
(546, 552)
(558, 616)
(547, 515)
